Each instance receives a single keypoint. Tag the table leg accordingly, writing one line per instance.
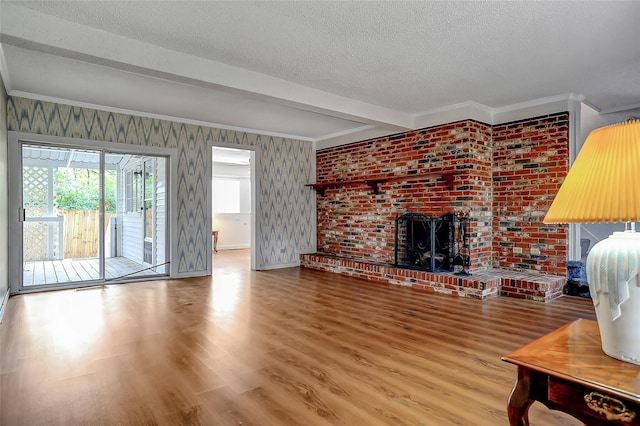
(519, 400)
(215, 241)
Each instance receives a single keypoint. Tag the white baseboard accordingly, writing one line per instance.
(232, 247)
(310, 250)
(194, 274)
(278, 266)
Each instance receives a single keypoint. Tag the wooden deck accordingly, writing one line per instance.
(73, 270)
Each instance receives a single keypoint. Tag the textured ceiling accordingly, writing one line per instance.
(322, 70)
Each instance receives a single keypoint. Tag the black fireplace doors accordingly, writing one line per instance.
(426, 243)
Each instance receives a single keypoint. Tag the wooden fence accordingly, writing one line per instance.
(81, 232)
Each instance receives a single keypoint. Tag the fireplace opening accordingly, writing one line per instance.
(435, 244)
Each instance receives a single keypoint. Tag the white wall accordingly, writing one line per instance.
(590, 120)
(234, 229)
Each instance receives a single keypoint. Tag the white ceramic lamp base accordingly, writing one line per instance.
(612, 272)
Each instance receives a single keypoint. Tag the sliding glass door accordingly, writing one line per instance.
(90, 216)
(61, 232)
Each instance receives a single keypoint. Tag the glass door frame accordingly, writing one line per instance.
(29, 214)
(16, 140)
(145, 206)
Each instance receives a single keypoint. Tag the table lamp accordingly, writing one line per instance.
(603, 186)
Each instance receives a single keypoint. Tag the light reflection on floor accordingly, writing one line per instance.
(77, 323)
(74, 322)
(230, 291)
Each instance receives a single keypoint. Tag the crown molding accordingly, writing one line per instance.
(472, 110)
(27, 95)
(359, 134)
(619, 109)
(348, 132)
(452, 113)
(463, 111)
(469, 110)
(535, 108)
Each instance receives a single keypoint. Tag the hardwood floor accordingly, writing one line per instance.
(282, 347)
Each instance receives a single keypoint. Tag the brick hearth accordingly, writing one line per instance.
(482, 284)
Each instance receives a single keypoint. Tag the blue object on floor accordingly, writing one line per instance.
(577, 284)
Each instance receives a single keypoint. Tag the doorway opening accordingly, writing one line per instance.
(233, 199)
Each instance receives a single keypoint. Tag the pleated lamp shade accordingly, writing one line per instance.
(602, 187)
(602, 184)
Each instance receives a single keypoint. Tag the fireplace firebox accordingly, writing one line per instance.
(435, 244)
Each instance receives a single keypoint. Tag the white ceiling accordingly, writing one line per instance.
(329, 72)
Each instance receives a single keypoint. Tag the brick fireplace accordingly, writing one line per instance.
(503, 176)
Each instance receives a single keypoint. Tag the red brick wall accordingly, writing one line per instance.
(531, 159)
(506, 176)
(355, 223)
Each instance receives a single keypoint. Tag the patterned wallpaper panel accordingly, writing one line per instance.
(286, 210)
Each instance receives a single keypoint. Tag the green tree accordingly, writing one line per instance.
(79, 189)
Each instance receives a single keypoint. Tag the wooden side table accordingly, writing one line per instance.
(215, 241)
(566, 370)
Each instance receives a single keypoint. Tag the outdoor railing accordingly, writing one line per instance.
(51, 243)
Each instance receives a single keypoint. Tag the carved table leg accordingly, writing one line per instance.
(519, 400)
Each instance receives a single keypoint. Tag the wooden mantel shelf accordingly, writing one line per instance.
(375, 182)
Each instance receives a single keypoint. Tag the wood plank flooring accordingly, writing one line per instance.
(282, 347)
(67, 270)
